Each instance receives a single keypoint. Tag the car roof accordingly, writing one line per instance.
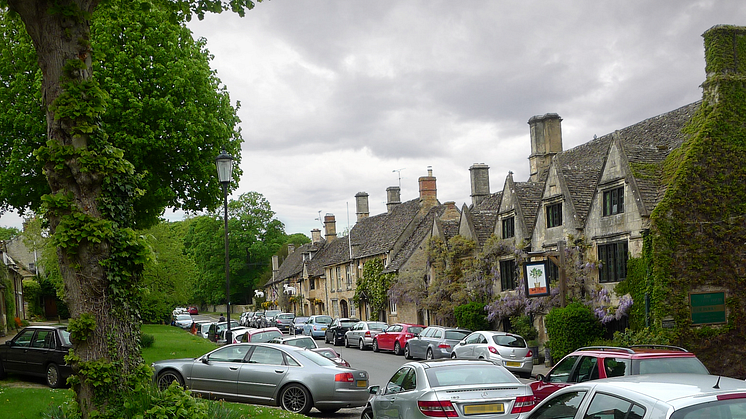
(677, 390)
(45, 327)
(635, 351)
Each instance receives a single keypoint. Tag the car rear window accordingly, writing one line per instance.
(479, 373)
(511, 341)
(671, 365)
(414, 329)
(65, 335)
(347, 324)
(377, 326)
(323, 319)
(307, 343)
(317, 359)
(724, 407)
(265, 336)
(456, 334)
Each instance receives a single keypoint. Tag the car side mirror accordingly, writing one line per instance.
(9, 342)
(205, 360)
(540, 377)
(373, 389)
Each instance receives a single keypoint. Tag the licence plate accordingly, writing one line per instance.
(323, 328)
(512, 364)
(362, 383)
(478, 409)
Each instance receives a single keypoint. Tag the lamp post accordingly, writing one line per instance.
(224, 162)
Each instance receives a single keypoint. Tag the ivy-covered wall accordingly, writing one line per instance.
(699, 228)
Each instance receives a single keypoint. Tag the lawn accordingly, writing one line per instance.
(18, 401)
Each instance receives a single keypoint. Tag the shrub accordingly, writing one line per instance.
(570, 328)
(645, 336)
(472, 316)
(522, 325)
(147, 340)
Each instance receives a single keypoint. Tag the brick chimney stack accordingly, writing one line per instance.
(428, 191)
(361, 204)
(330, 227)
(546, 141)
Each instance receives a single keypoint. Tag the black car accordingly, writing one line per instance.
(39, 351)
(335, 333)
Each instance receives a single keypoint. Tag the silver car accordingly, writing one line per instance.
(655, 396)
(508, 349)
(362, 334)
(434, 342)
(450, 388)
(296, 379)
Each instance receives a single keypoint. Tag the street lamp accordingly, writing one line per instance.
(224, 162)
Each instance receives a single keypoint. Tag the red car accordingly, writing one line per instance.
(193, 310)
(596, 362)
(395, 337)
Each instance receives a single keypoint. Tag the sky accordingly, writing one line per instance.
(345, 96)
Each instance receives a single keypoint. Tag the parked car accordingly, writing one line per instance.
(183, 321)
(395, 337)
(270, 315)
(434, 342)
(245, 318)
(362, 334)
(257, 320)
(235, 331)
(335, 332)
(299, 341)
(455, 388)
(298, 323)
(264, 334)
(204, 329)
(294, 378)
(38, 351)
(657, 396)
(192, 310)
(597, 362)
(333, 355)
(197, 326)
(508, 349)
(213, 332)
(284, 321)
(315, 326)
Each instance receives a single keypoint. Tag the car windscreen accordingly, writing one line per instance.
(184, 317)
(317, 359)
(414, 329)
(665, 365)
(377, 326)
(511, 341)
(479, 373)
(323, 319)
(456, 334)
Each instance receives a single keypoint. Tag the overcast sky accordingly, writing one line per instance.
(343, 96)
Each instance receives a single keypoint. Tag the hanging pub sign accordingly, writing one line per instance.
(535, 274)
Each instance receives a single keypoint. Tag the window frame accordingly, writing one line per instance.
(553, 213)
(508, 282)
(508, 227)
(610, 198)
(613, 257)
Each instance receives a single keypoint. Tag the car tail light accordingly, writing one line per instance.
(523, 404)
(409, 336)
(732, 396)
(367, 334)
(493, 349)
(530, 354)
(437, 409)
(345, 377)
(444, 346)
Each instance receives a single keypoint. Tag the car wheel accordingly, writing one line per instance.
(429, 355)
(295, 398)
(407, 354)
(361, 344)
(335, 341)
(347, 342)
(167, 377)
(367, 413)
(375, 345)
(54, 380)
(397, 349)
(453, 355)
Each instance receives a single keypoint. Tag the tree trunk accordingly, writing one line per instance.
(61, 38)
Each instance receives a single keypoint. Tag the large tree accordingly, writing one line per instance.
(96, 182)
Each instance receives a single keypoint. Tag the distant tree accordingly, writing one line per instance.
(7, 233)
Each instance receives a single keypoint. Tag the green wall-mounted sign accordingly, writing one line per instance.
(707, 307)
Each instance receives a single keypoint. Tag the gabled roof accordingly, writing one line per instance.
(377, 234)
(421, 232)
(528, 197)
(648, 143)
(292, 266)
(491, 203)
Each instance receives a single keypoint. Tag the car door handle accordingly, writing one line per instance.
(233, 368)
(279, 371)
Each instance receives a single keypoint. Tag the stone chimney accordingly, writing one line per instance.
(392, 197)
(315, 235)
(428, 191)
(361, 204)
(291, 248)
(330, 227)
(451, 212)
(275, 266)
(546, 141)
(480, 182)
(724, 66)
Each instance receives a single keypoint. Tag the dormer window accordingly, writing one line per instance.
(554, 215)
(614, 201)
(508, 227)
